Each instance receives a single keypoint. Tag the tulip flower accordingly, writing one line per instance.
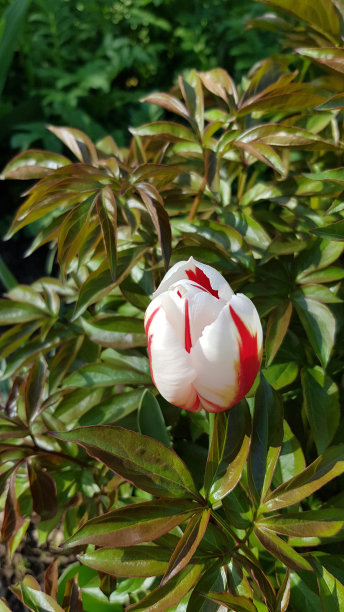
(204, 341)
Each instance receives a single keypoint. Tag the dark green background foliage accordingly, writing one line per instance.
(171, 510)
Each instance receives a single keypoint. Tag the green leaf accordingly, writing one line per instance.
(170, 594)
(304, 593)
(331, 591)
(145, 462)
(283, 595)
(333, 231)
(319, 325)
(320, 472)
(291, 460)
(318, 256)
(164, 130)
(281, 550)
(321, 402)
(99, 283)
(311, 523)
(111, 410)
(232, 602)
(280, 375)
(6, 276)
(106, 207)
(115, 331)
(134, 524)
(13, 20)
(187, 544)
(267, 437)
(150, 418)
(17, 312)
(103, 375)
(132, 562)
(39, 601)
(277, 328)
(192, 91)
(228, 451)
(213, 579)
(225, 238)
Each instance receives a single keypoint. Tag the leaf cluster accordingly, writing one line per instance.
(178, 510)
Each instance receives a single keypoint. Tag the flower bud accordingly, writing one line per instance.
(204, 341)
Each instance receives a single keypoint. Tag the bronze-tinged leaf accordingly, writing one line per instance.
(237, 603)
(168, 102)
(34, 388)
(329, 56)
(187, 545)
(281, 550)
(153, 202)
(171, 593)
(321, 523)
(33, 164)
(106, 207)
(43, 491)
(36, 600)
(80, 144)
(283, 595)
(192, 92)
(145, 462)
(72, 598)
(320, 472)
(220, 84)
(130, 525)
(12, 520)
(277, 328)
(321, 17)
(51, 579)
(265, 153)
(262, 581)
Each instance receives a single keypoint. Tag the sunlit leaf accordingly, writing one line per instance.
(144, 461)
(321, 402)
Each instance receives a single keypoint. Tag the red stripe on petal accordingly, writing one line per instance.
(199, 277)
(195, 406)
(215, 407)
(187, 342)
(150, 339)
(249, 358)
(150, 320)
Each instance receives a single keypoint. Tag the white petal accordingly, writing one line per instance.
(215, 356)
(199, 273)
(203, 309)
(171, 367)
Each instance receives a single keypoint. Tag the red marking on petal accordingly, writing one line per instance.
(199, 277)
(150, 320)
(215, 407)
(195, 406)
(179, 294)
(249, 359)
(187, 332)
(150, 339)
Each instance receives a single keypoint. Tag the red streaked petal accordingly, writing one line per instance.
(249, 357)
(187, 330)
(201, 279)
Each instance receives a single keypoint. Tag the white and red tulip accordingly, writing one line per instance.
(204, 341)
